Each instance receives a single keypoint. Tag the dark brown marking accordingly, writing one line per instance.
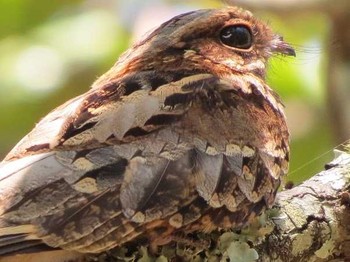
(156, 80)
(163, 119)
(39, 147)
(160, 230)
(258, 207)
(114, 169)
(71, 131)
(131, 86)
(246, 161)
(177, 98)
(136, 131)
(261, 175)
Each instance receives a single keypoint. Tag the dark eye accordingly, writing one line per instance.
(238, 36)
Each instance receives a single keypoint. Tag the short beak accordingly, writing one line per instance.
(279, 46)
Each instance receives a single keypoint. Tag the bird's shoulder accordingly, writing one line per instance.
(123, 110)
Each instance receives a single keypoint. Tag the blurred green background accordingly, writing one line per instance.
(51, 51)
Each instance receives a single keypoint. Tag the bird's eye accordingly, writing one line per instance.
(238, 36)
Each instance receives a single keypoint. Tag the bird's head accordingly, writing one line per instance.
(216, 41)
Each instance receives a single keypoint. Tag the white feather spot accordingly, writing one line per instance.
(247, 151)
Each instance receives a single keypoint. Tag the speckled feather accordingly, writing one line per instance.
(181, 135)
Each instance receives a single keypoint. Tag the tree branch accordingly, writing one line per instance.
(313, 222)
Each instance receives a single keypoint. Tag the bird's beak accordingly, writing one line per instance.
(281, 47)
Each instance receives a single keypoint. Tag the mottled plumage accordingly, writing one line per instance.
(182, 134)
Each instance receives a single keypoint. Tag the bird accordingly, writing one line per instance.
(181, 135)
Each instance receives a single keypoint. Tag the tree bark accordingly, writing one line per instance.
(313, 221)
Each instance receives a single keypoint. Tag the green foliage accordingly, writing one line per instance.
(78, 45)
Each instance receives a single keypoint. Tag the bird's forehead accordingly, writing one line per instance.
(214, 16)
(204, 20)
(195, 23)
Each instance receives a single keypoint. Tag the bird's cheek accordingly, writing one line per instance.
(233, 63)
(255, 65)
(225, 57)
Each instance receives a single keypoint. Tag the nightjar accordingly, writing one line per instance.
(181, 135)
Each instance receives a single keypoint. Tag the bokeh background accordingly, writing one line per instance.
(51, 51)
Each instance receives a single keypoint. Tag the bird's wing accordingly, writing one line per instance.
(108, 160)
(117, 112)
